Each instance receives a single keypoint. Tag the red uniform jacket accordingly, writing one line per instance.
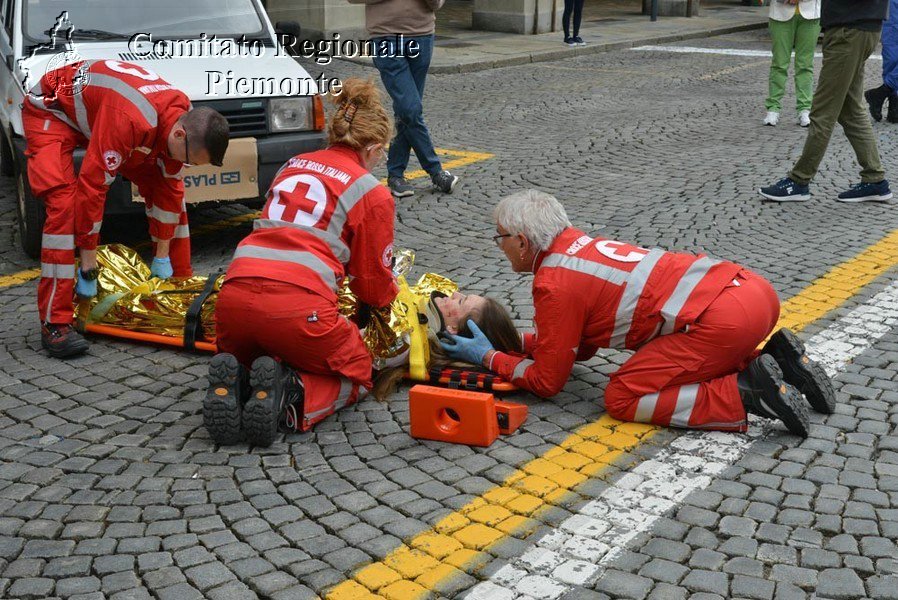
(326, 217)
(126, 113)
(597, 293)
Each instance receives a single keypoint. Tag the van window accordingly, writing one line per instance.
(6, 10)
(162, 18)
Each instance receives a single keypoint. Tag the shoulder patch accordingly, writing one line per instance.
(112, 159)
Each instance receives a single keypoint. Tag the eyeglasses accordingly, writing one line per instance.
(498, 237)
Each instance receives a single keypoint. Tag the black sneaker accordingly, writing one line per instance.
(786, 190)
(806, 375)
(275, 387)
(400, 187)
(765, 393)
(569, 41)
(867, 192)
(62, 341)
(579, 40)
(875, 99)
(445, 181)
(223, 405)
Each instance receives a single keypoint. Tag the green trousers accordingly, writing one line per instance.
(839, 97)
(801, 34)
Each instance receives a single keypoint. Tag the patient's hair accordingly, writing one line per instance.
(360, 119)
(493, 320)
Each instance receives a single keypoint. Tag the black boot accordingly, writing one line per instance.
(799, 371)
(62, 341)
(223, 404)
(765, 393)
(274, 388)
(875, 99)
(892, 115)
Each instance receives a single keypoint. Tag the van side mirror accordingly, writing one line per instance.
(288, 35)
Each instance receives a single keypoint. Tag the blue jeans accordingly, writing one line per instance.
(403, 77)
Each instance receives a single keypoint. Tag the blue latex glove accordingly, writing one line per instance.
(161, 268)
(83, 287)
(472, 349)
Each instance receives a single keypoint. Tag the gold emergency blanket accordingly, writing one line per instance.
(130, 299)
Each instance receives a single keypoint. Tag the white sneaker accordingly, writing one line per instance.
(804, 118)
(772, 118)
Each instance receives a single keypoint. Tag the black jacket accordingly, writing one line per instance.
(856, 14)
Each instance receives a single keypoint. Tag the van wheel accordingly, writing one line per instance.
(30, 213)
(7, 160)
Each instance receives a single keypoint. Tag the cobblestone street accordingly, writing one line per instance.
(110, 486)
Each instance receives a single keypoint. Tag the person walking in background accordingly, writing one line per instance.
(851, 31)
(793, 24)
(575, 7)
(876, 97)
(402, 33)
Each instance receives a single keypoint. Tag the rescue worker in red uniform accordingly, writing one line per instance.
(133, 123)
(694, 322)
(327, 217)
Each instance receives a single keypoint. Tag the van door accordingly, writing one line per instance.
(8, 81)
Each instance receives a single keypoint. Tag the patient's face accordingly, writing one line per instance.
(456, 308)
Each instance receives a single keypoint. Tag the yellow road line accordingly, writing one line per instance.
(460, 541)
(457, 158)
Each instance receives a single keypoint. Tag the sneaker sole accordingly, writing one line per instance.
(260, 413)
(806, 375)
(405, 194)
(796, 198)
(877, 198)
(221, 406)
(784, 400)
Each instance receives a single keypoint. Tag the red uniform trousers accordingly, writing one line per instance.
(51, 175)
(688, 379)
(260, 317)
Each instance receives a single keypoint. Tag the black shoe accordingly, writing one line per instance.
(806, 375)
(223, 405)
(400, 187)
(274, 388)
(765, 393)
(892, 115)
(875, 98)
(62, 341)
(445, 181)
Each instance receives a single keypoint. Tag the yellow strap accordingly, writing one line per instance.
(419, 351)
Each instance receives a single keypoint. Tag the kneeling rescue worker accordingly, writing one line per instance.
(326, 217)
(694, 322)
(133, 123)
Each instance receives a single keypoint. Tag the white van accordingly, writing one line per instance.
(189, 43)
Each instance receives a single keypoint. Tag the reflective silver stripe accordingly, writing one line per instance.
(340, 250)
(685, 403)
(587, 267)
(81, 114)
(521, 368)
(95, 229)
(306, 259)
(181, 232)
(163, 216)
(129, 93)
(694, 274)
(38, 103)
(630, 298)
(348, 199)
(347, 388)
(51, 241)
(57, 271)
(645, 410)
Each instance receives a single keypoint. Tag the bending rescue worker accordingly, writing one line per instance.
(133, 123)
(694, 322)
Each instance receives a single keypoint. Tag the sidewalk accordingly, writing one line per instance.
(607, 25)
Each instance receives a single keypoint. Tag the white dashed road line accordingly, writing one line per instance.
(722, 51)
(577, 552)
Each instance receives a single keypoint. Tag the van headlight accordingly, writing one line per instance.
(290, 114)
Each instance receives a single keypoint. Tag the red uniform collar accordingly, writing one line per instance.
(562, 240)
(349, 153)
